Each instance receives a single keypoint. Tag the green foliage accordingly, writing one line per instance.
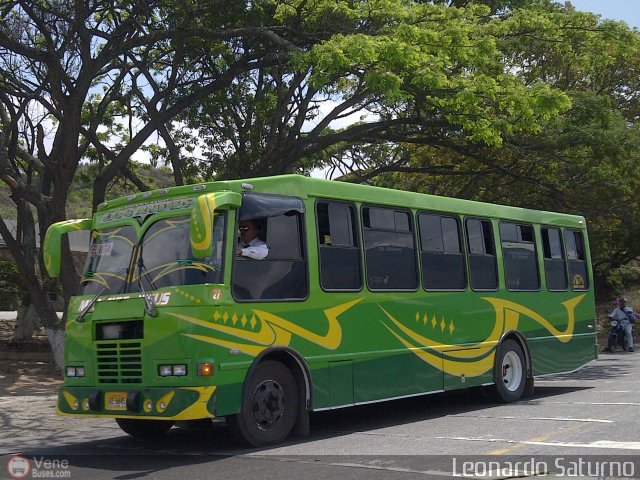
(583, 160)
(621, 278)
(444, 59)
(7, 208)
(420, 72)
(10, 285)
(529, 103)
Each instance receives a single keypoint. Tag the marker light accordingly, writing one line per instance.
(205, 369)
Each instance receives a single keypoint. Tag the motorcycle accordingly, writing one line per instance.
(616, 337)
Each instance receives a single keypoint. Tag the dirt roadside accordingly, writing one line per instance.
(26, 368)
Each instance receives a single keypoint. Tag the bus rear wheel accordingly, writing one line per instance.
(144, 428)
(510, 374)
(269, 406)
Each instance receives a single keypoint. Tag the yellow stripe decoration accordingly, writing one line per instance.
(72, 401)
(480, 349)
(163, 403)
(509, 313)
(478, 358)
(199, 408)
(274, 330)
(251, 350)
(99, 277)
(202, 225)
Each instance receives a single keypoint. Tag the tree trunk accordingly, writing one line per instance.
(26, 323)
(56, 341)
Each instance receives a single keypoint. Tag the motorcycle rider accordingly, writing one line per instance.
(622, 314)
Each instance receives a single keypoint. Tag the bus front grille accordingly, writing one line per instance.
(119, 362)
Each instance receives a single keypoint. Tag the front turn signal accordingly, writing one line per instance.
(205, 369)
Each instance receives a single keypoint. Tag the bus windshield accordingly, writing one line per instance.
(109, 256)
(166, 259)
(162, 258)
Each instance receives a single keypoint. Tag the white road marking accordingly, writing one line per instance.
(615, 391)
(597, 444)
(556, 419)
(393, 469)
(635, 404)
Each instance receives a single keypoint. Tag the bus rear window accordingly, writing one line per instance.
(576, 259)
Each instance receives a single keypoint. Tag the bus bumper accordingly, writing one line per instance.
(157, 403)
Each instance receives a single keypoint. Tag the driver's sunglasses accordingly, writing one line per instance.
(243, 229)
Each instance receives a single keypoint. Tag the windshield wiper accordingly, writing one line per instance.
(146, 299)
(80, 317)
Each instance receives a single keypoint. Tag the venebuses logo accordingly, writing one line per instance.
(38, 467)
(18, 467)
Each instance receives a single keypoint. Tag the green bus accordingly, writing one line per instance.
(358, 294)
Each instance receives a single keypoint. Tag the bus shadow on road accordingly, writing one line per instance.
(610, 367)
(213, 442)
(417, 409)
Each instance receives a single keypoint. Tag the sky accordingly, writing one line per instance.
(625, 10)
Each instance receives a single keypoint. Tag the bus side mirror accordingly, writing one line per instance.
(52, 242)
(202, 219)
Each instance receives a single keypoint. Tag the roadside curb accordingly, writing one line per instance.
(27, 356)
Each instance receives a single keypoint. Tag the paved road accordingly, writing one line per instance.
(595, 411)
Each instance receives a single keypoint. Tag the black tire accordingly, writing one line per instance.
(529, 388)
(612, 340)
(144, 428)
(510, 372)
(269, 406)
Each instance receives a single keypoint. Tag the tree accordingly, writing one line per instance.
(265, 84)
(583, 161)
(417, 72)
(72, 68)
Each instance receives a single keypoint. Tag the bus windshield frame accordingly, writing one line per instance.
(158, 253)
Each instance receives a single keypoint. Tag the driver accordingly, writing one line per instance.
(251, 245)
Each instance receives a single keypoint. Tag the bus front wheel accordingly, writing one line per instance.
(144, 428)
(269, 405)
(510, 371)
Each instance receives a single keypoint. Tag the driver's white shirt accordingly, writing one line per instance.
(256, 249)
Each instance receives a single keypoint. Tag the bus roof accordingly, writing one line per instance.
(307, 187)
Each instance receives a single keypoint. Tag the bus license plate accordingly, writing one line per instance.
(115, 400)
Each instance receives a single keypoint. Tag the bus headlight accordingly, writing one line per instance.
(75, 372)
(178, 370)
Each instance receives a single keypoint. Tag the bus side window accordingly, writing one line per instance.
(483, 273)
(441, 253)
(519, 256)
(338, 248)
(554, 263)
(577, 260)
(282, 274)
(390, 255)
